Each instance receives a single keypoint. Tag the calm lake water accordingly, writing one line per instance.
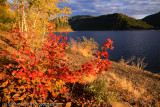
(129, 43)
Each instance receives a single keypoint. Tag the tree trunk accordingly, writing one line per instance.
(24, 24)
(34, 24)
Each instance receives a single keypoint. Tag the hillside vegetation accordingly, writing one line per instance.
(116, 21)
(7, 18)
(40, 67)
(62, 26)
(153, 20)
(122, 85)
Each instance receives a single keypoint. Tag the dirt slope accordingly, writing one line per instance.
(143, 81)
(140, 83)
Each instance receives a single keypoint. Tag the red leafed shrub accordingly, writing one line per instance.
(40, 73)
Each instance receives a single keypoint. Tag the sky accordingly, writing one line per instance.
(134, 8)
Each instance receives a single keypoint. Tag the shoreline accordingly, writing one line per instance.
(121, 30)
(138, 82)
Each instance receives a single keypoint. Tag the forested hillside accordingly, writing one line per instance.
(153, 20)
(7, 17)
(116, 21)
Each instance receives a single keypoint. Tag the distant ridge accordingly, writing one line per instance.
(153, 20)
(116, 21)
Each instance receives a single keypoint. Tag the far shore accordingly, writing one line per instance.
(122, 30)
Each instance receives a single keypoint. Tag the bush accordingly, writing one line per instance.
(100, 89)
(86, 47)
(5, 27)
(7, 19)
(41, 74)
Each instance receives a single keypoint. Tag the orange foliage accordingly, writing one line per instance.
(36, 76)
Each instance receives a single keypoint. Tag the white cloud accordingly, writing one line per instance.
(133, 8)
(139, 16)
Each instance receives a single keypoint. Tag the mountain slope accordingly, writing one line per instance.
(153, 20)
(114, 21)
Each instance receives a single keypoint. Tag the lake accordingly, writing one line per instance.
(129, 43)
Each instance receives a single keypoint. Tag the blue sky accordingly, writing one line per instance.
(134, 8)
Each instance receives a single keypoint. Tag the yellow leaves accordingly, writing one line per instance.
(60, 83)
(1, 76)
(31, 95)
(8, 96)
(54, 79)
(19, 81)
(40, 100)
(33, 81)
(15, 95)
(18, 97)
(21, 98)
(22, 87)
(5, 90)
(45, 62)
(68, 104)
(4, 84)
(33, 101)
(11, 88)
(23, 78)
(28, 86)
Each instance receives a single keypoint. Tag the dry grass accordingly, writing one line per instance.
(133, 85)
(138, 87)
(64, 30)
(126, 85)
(125, 92)
(121, 74)
(5, 38)
(135, 62)
(86, 47)
(89, 79)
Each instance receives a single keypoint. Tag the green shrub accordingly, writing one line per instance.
(100, 89)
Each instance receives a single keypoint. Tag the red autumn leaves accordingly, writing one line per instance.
(44, 67)
(3, 53)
